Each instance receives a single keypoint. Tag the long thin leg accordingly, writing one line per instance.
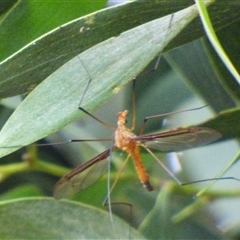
(163, 115)
(133, 106)
(162, 165)
(160, 54)
(84, 93)
(210, 179)
(142, 75)
(105, 202)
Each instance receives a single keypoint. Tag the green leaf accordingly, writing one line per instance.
(159, 211)
(198, 70)
(111, 65)
(42, 218)
(43, 56)
(158, 224)
(214, 39)
(226, 122)
(28, 20)
(21, 72)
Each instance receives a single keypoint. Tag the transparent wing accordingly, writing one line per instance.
(82, 176)
(180, 139)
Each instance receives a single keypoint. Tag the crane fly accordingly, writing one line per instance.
(125, 140)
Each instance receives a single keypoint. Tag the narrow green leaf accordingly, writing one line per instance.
(197, 70)
(160, 211)
(111, 64)
(21, 72)
(214, 39)
(24, 70)
(28, 20)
